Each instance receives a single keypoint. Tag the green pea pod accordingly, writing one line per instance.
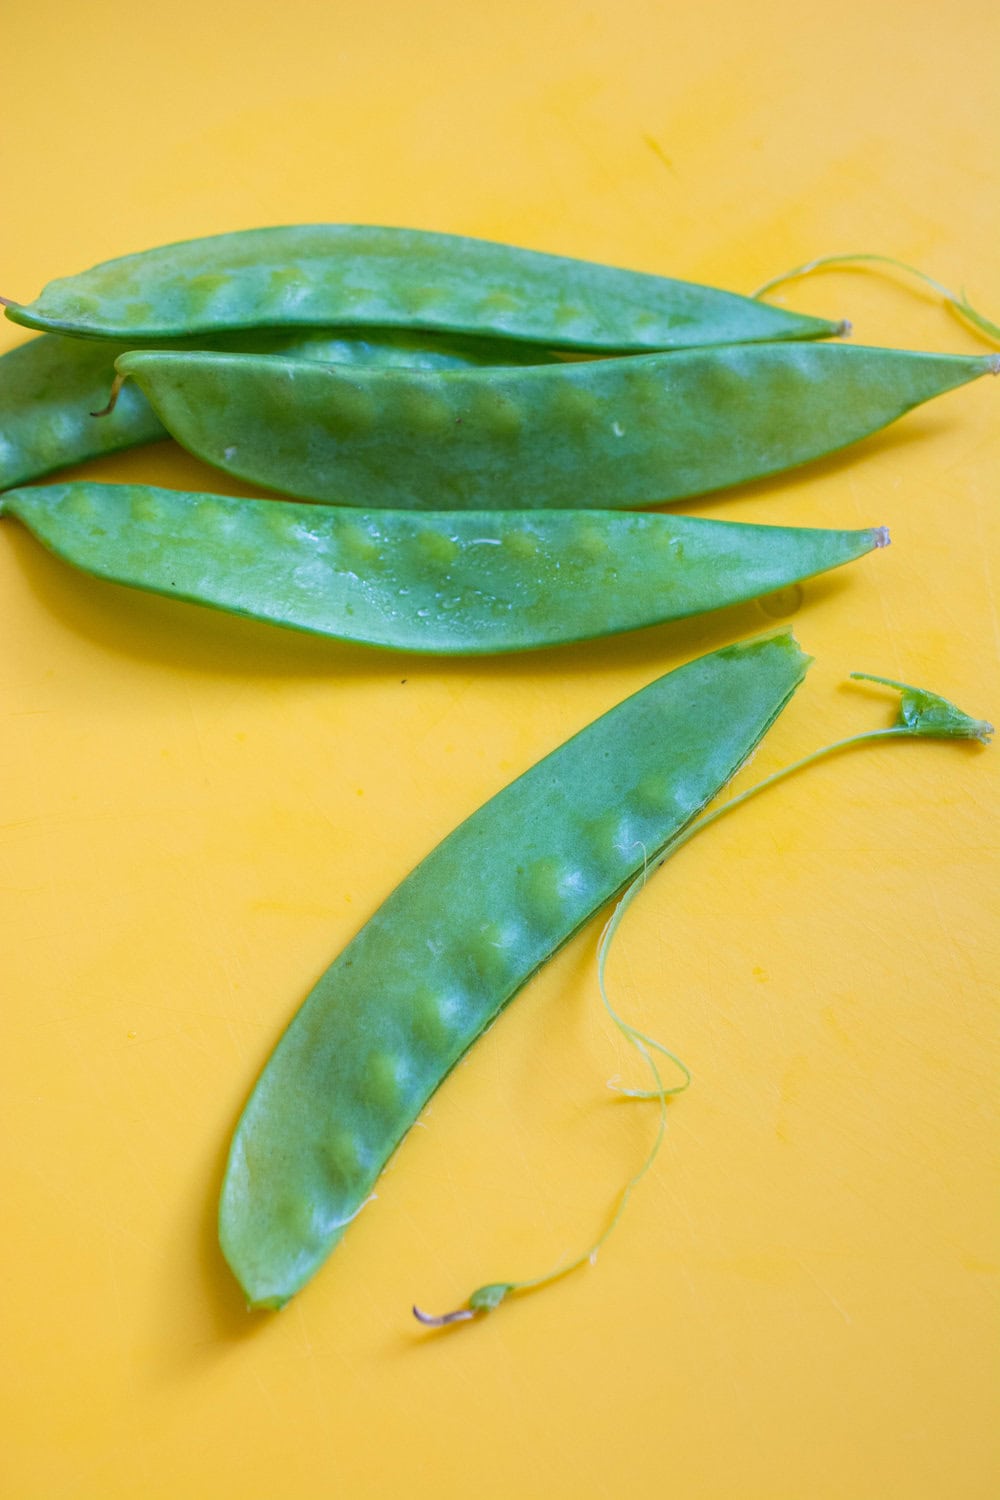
(602, 433)
(457, 583)
(348, 275)
(51, 387)
(430, 971)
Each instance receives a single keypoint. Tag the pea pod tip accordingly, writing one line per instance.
(442, 1320)
(924, 713)
(881, 537)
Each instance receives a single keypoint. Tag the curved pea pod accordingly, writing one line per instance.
(443, 955)
(603, 433)
(51, 386)
(456, 583)
(349, 275)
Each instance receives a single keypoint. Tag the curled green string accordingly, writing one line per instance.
(958, 302)
(922, 714)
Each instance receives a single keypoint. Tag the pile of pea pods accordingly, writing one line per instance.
(467, 431)
(477, 413)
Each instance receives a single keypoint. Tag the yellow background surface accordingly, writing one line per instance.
(197, 813)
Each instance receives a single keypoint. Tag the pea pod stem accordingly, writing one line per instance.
(113, 394)
(957, 302)
(922, 714)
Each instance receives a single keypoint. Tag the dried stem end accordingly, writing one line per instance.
(116, 386)
(442, 1320)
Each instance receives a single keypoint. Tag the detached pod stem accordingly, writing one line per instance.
(922, 714)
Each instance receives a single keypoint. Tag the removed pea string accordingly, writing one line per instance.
(957, 302)
(921, 714)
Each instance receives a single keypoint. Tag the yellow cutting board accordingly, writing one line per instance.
(197, 812)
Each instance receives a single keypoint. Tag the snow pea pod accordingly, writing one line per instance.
(449, 582)
(602, 433)
(349, 275)
(50, 386)
(431, 970)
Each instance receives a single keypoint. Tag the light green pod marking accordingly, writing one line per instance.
(653, 793)
(353, 413)
(546, 891)
(495, 413)
(588, 544)
(214, 521)
(203, 291)
(81, 507)
(346, 275)
(522, 545)
(435, 550)
(423, 413)
(144, 507)
(380, 1088)
(50, 386)
(341, 1159)
(286, 524)
(510, 873)
(430, 1024)
(599, 433)
(462, 583)
(604, 839)
(571, 407)
(357, 551)
(488, 953)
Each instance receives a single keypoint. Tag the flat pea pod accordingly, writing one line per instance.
(431, 970)
(51, 386)
(601, 433)
(451, 582)
(350, 275)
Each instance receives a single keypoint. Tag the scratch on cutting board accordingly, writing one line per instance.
(458, 694)
(984, 553)
(959, 958)
(825, 1290)
(659, 153)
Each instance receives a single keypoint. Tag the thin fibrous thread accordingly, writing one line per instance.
(957, 302)
(487, 1297)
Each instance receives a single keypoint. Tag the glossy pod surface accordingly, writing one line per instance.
(602, 433)
(452, 582)
(348, 275)
(50, 386)
(459, 937)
